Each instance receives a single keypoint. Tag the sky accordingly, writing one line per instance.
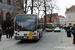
(63, 4)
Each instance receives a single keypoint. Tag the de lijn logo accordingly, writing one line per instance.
(64, 47)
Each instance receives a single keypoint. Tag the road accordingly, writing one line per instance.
(49, 41)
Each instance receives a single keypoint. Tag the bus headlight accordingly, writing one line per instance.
(16, 33)
(34, 33)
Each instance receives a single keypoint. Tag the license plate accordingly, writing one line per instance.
(25, 37)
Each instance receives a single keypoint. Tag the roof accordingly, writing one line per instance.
(27, 14)
(71, 9)
(54, 14)
(4, 6)
(61, 16)
(49, 23)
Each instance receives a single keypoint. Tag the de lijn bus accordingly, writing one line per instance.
(49, 26)
(27, 27)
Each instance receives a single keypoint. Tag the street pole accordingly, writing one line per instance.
(51, 16)
(32, 7)
(45, 10)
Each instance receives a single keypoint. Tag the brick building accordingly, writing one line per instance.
(54, 19)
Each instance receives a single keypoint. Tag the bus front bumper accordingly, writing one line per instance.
(26, 38)
(49, 29)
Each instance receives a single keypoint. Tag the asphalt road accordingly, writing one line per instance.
(49, 41)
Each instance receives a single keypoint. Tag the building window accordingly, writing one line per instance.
(8, 16)
(74, 13)
(8, 2)
(74, 18)
(69, 18)
(66, 15)
(0, 1)
(69, 14)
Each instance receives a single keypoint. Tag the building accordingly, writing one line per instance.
(9, 9)
(19, 3)
(54, 19)
(62, 20)
(70, 15)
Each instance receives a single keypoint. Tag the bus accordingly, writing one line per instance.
(27, 27)
(49, 26)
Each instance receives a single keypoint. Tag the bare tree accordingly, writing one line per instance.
(34, 5)
(25, 6)
(52, 5)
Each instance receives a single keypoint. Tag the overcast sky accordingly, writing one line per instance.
(63, 4)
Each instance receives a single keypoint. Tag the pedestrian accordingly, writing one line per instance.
(10, 34)
(1, 32)
(68, 31)
(65, 28)
(7, 32)
(73, 32)
(12, 30)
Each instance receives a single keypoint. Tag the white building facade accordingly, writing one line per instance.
(62, 21)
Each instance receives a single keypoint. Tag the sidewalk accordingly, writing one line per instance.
(6, 42)
(65, 43)
(5, 39)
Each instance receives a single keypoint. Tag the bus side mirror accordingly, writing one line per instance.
(38, 27)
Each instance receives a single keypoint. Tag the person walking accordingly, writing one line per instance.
(1, 32)
(73, 32)
(65, 28)
(12, 30)
(68, 31)
(10, 34)
(7, 32)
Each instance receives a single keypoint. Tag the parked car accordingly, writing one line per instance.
(57, 29)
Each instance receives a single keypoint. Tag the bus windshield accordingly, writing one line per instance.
(48, 25)
(25, 22)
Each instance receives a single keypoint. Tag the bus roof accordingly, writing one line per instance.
(41, 23)
(49, 23)
(26, 14)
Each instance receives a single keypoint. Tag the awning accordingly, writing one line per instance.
(4, 6)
